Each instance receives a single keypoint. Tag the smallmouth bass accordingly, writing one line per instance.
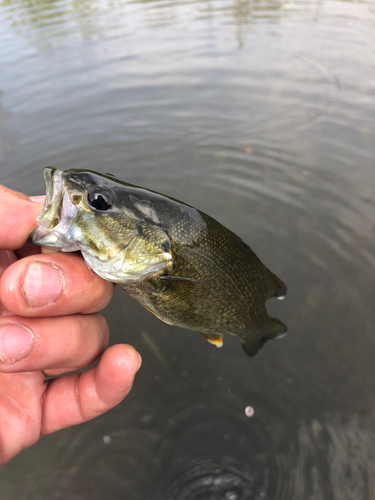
(179, 263)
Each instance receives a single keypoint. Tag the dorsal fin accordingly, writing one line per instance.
(279, 288)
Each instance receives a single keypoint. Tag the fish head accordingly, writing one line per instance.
(93, 213)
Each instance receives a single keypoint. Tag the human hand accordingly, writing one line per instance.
(49, 326)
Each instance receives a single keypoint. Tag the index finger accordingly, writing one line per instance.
(17, 218)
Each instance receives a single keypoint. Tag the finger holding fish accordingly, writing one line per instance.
(53, 285)
(86, 395)
(48, 338)
(64, 343)
(31, 407)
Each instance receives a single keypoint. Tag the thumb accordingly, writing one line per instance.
(18, 215)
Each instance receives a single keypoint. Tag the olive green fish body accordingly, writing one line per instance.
(182, 265)
(223, 290)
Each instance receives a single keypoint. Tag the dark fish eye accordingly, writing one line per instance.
(100, 199)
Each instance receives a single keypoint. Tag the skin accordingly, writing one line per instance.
(68, 334)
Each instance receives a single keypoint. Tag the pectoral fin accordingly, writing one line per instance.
(272, 330)
(182, 280)
(155, 314)
(214, 338)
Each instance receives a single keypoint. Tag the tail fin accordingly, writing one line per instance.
(273, 329)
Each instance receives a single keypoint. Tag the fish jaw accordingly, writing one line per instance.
(58, 214)
(117, 271)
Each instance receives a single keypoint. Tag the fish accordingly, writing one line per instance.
(179, 263)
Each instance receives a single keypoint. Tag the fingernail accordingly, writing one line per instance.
(38, 199)
(16, 342)
(139, 361)
(134, 360)
(43, 284)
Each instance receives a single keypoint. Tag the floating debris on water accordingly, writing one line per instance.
(231, 496)
(249, 411)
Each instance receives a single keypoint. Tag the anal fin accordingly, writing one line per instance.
(214, 338)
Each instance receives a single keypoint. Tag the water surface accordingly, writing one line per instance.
(260, 113)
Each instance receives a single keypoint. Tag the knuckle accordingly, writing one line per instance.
(102, 294)
(88, 333)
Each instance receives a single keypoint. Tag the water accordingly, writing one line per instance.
(260, 113)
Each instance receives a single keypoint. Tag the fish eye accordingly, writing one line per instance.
(100, 199)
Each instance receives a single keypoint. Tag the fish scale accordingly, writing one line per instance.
(179, 263)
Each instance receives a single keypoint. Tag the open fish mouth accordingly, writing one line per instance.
(55, 221)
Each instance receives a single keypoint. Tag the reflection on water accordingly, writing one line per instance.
(259, 113)
(7, 137)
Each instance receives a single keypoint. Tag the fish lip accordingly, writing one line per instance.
(53, 233)
(49, 174)
(52, 239)
(54, 188)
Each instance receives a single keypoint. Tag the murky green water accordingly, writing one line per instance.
(260, 113)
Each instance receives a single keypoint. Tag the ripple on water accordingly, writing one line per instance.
(124, 455)
(161, 457)
(266, 117)
(236, 461)
(212, 478)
